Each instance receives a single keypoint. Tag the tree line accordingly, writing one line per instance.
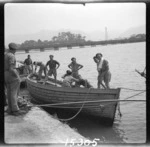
(68, 39)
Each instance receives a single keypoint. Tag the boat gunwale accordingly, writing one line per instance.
(73, 90)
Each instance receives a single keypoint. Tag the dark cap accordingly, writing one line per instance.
(13, 46)
(99, 54)
(51, 56)
(68, 72)
(73, 58)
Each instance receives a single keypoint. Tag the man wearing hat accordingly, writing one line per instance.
(103, 71)
(12, 80)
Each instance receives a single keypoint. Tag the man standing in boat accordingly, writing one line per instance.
(53, 66)
(103, 71)
(28, 65)
(75, 67)
(42, 69)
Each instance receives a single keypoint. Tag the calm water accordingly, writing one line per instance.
(123, 60)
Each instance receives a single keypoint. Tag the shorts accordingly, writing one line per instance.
(106, 77)
(52, 72)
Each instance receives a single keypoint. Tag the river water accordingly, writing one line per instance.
(123, 60)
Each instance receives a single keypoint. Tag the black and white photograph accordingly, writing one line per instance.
(75, 74)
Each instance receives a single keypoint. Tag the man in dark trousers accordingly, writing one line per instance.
(12, 81)
(28, 65)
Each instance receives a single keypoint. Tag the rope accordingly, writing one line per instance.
(126, 99)
(134, 95)
(131, 89)
(59, 104)
(119, 111)
(78, 102)
(78, 111)
(84, 102)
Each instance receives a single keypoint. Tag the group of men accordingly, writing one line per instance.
(104, 74)
(12, 78)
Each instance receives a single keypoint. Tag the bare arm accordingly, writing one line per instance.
(22, 62)
(58, 64)
(74, 79)
(46, 65)
(70, 66)
(80, 66)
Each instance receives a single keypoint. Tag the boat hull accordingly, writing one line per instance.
(90, 102)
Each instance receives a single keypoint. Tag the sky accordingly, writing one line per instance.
(33, 17)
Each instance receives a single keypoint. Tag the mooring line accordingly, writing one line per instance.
(78, 111)
(79, 102)
(131, 89)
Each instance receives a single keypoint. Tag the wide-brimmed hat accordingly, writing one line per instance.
(13, 46)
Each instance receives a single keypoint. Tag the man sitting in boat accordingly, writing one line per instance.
(68, 79)
(42, 69)
(83, 82)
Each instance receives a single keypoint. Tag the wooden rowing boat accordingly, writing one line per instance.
(94, 102)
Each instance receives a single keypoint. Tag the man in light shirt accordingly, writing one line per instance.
(103, 71)
(12, 81)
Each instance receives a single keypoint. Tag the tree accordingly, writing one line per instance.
(68, 38)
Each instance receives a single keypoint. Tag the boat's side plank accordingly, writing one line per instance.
(73, 90)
